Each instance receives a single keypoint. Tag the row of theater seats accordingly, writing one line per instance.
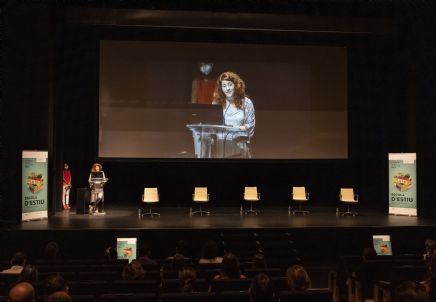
(279, 249)
(376, 279)
(312, 295)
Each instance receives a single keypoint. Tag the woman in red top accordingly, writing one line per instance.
(66, 187)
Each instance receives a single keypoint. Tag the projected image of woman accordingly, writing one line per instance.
(238, 112)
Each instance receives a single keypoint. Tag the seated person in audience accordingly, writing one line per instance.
(22, 292)
(368, 253)
(18, 261)
(55, 283)
(430, 247)
(178, 262)
(110, 253)
(51, 251)
(133, 271)
(411, 292)
(230, 268)
(261, 289)
(430, 276)
(29, 274)
(182, 248)
(259, 261)
(297, 278)
(59, 297)
(187, 277)
(144, 257)
(209, 253)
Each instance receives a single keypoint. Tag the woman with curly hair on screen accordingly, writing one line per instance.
(238, 112)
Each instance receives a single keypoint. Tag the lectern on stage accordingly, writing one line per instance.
(218, 141)
(97, 181)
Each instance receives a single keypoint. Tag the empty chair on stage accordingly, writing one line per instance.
(149, 198)
(300, 196)
(200, 196)
(348, 197)
(250, 195)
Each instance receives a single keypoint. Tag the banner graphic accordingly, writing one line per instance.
(34, 185)
(402, 184)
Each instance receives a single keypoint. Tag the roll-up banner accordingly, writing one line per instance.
(402, 184)
(34, 185)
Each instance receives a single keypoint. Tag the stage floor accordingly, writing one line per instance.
(126, 218)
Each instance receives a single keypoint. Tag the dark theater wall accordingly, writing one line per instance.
(50, 102)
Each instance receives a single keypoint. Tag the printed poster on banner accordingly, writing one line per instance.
(402, 184)
(34, 186)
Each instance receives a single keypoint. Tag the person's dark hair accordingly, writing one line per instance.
(59, 297)
(262, 289)
(210, 250)
(51, 250)
(187, 277)
(29, 273)
(182, 247)
(19, 258)
(298, 278)
(110, 253)
(411, 292)
(133, 271)
(369, 253)
(259, 261)
(144, 250)
(55, 283)
(230, 266)
(178, 262)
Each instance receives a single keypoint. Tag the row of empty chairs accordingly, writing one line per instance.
(251, 195)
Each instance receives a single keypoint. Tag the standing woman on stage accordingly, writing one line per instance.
(238, 111)
(66, 187)
(96, 181)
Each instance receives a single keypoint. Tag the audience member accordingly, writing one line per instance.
(298, 278)
(187, 277)
(59, 297)
(29, 274)
(230, 268)
(51, 251)
(55, 283)
(133, 271)
(144, 257)
(259, 261)
(411, 292)
(430, 247)
(18, 261)
(182, 247)
(110, 253)
(22, 292)
(178, 262)
(430, 274)
(210, 253)
(262, 289)
(368, 253)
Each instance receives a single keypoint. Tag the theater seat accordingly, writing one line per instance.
(128, 298)
(187, 297)
(311, 295)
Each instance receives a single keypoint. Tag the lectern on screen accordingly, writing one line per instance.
(158, 100)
